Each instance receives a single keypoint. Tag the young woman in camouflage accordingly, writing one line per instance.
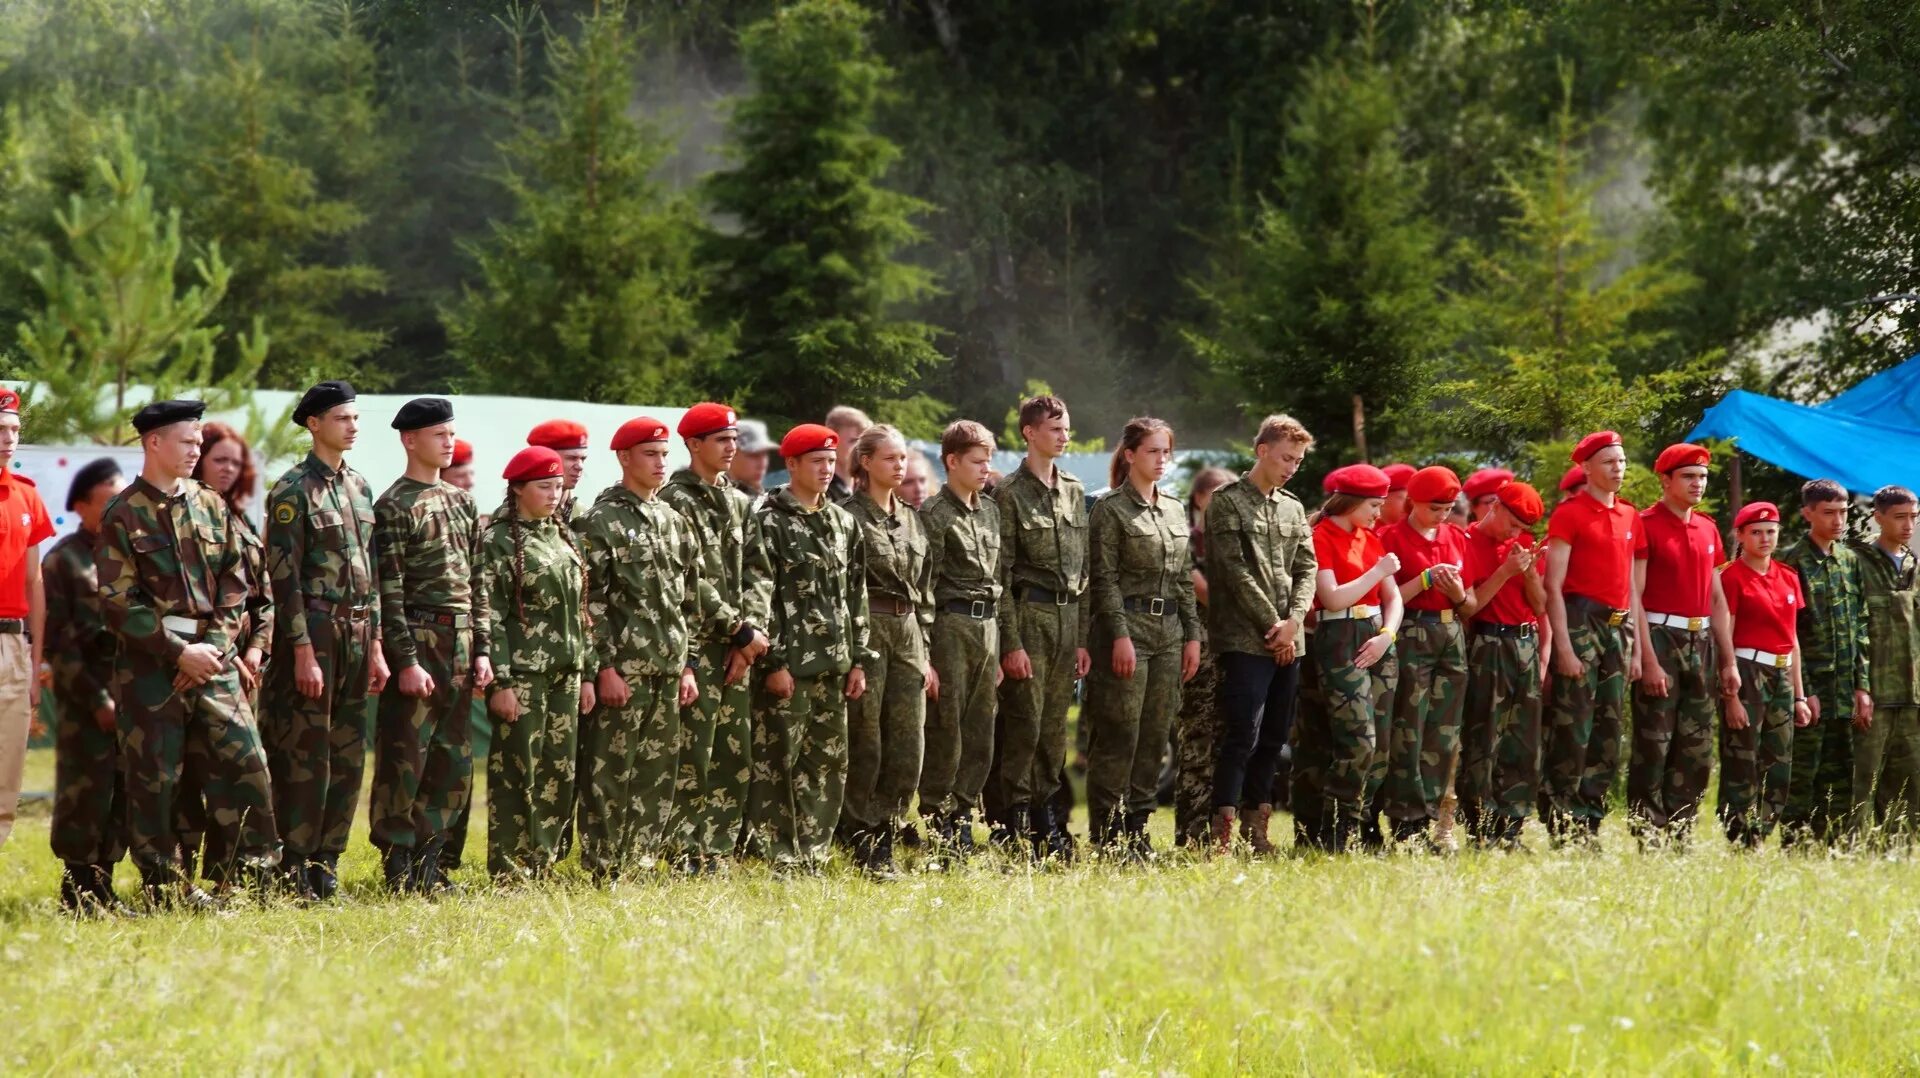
(535, 583)
(1764, 602)
(1197, 729)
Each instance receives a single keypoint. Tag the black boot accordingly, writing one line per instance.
(960, 826)
(299, 880)
(75, 897)
(398, 867)
(882, 866)
(1139, 845)
(1017, 824)
(100, 881)
(428, 879)
(323, 876)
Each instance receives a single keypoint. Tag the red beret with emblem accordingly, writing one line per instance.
(1359, 480)
(1522, 501)
(808, 438)
(1594, 443)
(1485, 482)
(1575, 476)
(1756, 513)
(1683, 455)
(9, 401)
(634, 431)
(558, 434)
(533, 462)
(1398, 475)
(462, 452)
(1435, 484)
(709, 418)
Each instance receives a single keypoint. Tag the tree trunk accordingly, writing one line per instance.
(1360, 426)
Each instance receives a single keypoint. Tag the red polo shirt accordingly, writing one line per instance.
(23, 523)
(1764, 606)
(1417, 554)
(1600, 564)
(1509, 605)
(1349, 554)
(1681, 557)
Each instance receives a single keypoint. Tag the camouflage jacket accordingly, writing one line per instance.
(427, 537)
(1833, 622)
(1893, 629)
(79, 647)
(320, 544)
(260, 589)
(1260, 565)
(161, 556)
(806, 575)
(1141, 551)
(532, 581)
(1043, 544)
(896, 551)
(963, 548)
(717, 513)
(644, 588)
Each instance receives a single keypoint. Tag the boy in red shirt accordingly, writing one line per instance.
(24, 525)
(1756, 744)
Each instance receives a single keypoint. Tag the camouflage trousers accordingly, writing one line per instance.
(716, 750)
(1581, 753)
(479, 736)
(629, 761)
(89, 788)
(1343, 723)
(1886, 773)
(959, 750)
(1500, 742)
(208, 730)
(530, 775)
(886, 727)
(1820, 791)
(317, 747)
(1756, 763)
(799, 770)
(1030, 731)
(1196, 740)
(1424, 752)
(422, 758)
(1672, 755)
(1128, 721)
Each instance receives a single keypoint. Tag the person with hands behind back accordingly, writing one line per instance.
(1762, 710)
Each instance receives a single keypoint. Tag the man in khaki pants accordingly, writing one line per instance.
(24, 525)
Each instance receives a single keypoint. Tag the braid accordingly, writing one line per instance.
(566, 536)
(519, 557)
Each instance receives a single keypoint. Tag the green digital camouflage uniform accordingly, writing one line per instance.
(1833, 666)
(164, 560)
(89, 786)
(1886, 755)
(434, 616)
(538, 639)
(644, 597)
(716, 731)
(963, 554)
(887, 725)
(1196, 739)
(1581, 753)
(1042, 610)
(1756, 763)
(1141, 589)
(806, 572)
(1341, 733)
(320, 558)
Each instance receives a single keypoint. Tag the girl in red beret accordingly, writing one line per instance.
(1756, 739)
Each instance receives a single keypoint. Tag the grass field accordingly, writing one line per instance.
(1501, 964)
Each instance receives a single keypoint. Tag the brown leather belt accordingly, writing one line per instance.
(890, 606)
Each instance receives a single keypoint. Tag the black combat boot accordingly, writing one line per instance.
(882, 866)
(398, 868)
(75, 897)
(1018, 822)
(1139, 844)
(298, 874)
(100, 885)
(429, 875)
(323, 876)
(960, 827)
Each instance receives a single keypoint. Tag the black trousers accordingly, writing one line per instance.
(1256, 698)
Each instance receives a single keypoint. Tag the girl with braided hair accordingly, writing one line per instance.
(534, 579)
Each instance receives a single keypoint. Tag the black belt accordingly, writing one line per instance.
(1048, 595)
(887, 604)
(1498, 628)
(1433, 617)
(1155, 606)
(444, 618)
(341, 609)
(14, 626)
(1615, 615)
(977, 609)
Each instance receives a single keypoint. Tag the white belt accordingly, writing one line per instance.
(1675, 621)
(187, 627)
(1358, 611)
(1764, 658)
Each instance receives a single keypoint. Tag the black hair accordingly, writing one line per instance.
(91, 475)
(1893, 496)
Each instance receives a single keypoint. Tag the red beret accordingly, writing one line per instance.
(1683, 455)
(1594, 443)
(704, 419)
(558, 434)
(808, 438)
(1398, 475)
(1360, 480)
(533, 462)
(1522, 501)
(1486, 481)
(1576, 476)
(462, 452)
(1435, 484)
(9, 401)
(642, 429)
(1756, 513)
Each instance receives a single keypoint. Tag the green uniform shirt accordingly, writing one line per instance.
(644, 588)
(427, 535)
(963, 548)
(1893, 632)
(1043, 544)
(79, 647)
(1833, 622)
(320, 544)
(260, 593)
(897, 565)
(717, 513)
(806, 569)
(1260, 564)
(1140, 551)
(178, 555)
(534, 596)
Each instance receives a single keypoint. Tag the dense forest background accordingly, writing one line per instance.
(1459, 229)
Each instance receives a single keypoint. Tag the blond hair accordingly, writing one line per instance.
(867, 445)
(1282, 428)
(962, 435)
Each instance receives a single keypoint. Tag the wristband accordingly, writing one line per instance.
(743, 635)
(1426, 579)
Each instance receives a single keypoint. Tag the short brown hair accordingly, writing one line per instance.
(1044, 406)
(1282, 428)
(1821, 491)
(1339, 505)
(962, 435)
(1893, 496)
(842, 416)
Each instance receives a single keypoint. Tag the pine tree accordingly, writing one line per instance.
(806, 254)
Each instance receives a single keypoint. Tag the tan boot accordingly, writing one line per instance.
(1222, 843)
(1253, 828)
(1444, 839)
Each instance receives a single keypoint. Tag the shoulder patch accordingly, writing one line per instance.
(284, 513)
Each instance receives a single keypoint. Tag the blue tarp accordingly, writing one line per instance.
(1835, 439)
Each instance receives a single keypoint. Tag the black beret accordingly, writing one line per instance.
(423, 412)
(167, 413)
(320, 398)
(90, 475)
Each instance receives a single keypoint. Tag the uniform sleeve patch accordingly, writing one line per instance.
(284, 513)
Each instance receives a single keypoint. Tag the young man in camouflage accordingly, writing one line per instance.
(806, 570)
(173, 591)
(1042, 627)
(644, 597)
(1886, 751)
(716, 730)
(569, 439)
(434, 631)
(89, 786)
(1833, 659)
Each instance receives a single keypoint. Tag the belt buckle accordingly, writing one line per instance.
(1156, 606)
(978, 609)
(1616, 617)
(1780, 661)
(1446, 617)
(1061, 598)
(1694, 625)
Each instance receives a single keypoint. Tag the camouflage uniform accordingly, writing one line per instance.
(1196, 740)
(1339, 744)
(806, 572)
(172, 571)
(1673, 735)
(1886, 755)
(1141, 589)
(716, 731)
(963, 554)
(320, 558)
(1582, 750)
(888, 723)
(90, 795)
(1833, 666)
(1500, 750)
(644, 596)
(434, 616)
(1755, 763)
(1042, 610)
(538, 636)
(1424, 747)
